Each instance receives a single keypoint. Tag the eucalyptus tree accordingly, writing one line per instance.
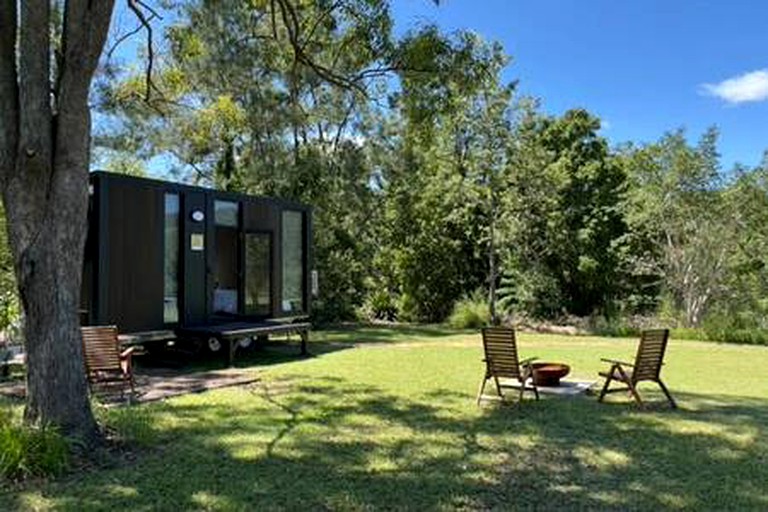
(564, 224)
(45, 76)
(675, 205)
(274, 98)
(440, 198)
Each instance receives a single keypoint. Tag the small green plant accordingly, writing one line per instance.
(30, 451)
(379, 305)
(470, 313)
(129, 424)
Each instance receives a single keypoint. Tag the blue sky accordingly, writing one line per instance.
(641, 65)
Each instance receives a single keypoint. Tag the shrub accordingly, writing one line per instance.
(379, 305)
(407, 308)
(470, 313)
(31, 451)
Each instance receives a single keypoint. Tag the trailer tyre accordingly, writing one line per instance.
(246, 343)
(214, 345)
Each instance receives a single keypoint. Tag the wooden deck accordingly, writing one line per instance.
(232, 332)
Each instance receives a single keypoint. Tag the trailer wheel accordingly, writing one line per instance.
(214, 345)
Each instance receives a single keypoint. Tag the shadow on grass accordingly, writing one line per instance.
(356, 333)
(331, 444)
(262, 355)
(277, 351)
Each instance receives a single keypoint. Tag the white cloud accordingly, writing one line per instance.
(752, 86)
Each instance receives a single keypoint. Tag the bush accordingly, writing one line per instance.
(30, 451)
(379, 305)
(470, 313)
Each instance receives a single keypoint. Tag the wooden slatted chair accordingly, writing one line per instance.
(648, 363)
(107, 367)
(501, 361)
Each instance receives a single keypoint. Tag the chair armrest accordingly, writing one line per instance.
(127, 352)
(615, 361)
(528, 361)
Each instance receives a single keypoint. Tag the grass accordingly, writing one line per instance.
(385, 418)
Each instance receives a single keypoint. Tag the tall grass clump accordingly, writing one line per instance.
(27, 451)
(133, 425)
(470, 312)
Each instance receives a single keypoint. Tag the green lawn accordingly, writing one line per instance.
(384, 418)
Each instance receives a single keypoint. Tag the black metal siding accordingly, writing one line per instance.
(131, 257)
(126, 244)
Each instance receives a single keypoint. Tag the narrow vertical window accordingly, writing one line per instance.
(226, 247)
(171, 259)
(258, 264)
(293, 261)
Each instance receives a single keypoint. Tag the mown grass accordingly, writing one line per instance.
(385, 418)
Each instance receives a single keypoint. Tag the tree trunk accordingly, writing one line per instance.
(44, 160)
(49, 274)
(492, 272)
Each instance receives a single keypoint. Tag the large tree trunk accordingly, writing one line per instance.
(44, 160)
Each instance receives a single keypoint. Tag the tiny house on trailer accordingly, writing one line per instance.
(169, 260)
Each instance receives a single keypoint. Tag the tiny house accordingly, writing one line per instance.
(163, 256)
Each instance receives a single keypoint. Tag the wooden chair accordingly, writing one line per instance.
(106, 366)
(648, 363)
(501, 361)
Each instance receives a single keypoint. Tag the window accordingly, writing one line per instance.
(171, 259)
(258, 285)
(293, 262)
(226, 240)
(225, 213)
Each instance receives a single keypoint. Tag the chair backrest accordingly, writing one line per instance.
(501, 352)
(650, 354)
(101, 350)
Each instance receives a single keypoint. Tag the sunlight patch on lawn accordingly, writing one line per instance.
(36, 501)
(209, 501)
(739, 436)
(601, 458)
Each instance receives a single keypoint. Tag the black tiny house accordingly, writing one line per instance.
(166, 256)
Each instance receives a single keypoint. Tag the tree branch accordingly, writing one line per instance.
(292, 26)
(120, 40)
(138, 7)
(34, 82)
(9, 90)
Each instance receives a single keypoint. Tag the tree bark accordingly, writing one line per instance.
(44, 163)
(492, 272)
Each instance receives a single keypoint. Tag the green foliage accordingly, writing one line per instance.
(430, 177)
(379, 305)
(470, 312)
(27, 451)
(10, 312)
(564, 226)
(131, 425)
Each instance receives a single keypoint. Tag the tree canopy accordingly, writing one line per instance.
(431, 177)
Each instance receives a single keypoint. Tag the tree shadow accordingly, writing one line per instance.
(327, 443)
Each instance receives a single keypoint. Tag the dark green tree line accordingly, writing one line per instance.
(431, 178)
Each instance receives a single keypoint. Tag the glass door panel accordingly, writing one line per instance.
(258, 265)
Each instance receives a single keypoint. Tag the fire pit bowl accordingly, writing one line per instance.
(549, 374)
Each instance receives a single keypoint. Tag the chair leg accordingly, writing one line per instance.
(498, 387)
(482, 388)
(630, 385)
(605, 388)
(535, 389)
(668, 395)
(633, 392)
